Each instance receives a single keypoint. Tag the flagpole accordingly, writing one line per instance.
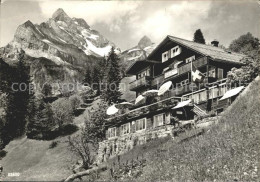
(191, 80)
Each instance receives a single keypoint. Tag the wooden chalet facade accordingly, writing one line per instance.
(171, 61)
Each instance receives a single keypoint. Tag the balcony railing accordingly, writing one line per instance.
(144, 110)
(142, 82)
(197, 63)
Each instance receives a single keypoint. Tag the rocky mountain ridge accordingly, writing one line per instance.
(139, 52)
(59, 49)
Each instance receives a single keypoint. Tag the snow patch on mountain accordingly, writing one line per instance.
(132, 50)
(46, 41)
(92, 36)
(136, 57)
(102, 51)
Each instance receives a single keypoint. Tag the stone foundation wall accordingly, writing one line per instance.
(122, 144)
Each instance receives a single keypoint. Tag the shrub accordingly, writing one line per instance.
(2, 154)
(75, 102)
(62, 111)
(53, 145)
(68, 129)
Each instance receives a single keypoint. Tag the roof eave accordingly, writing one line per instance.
(130, 67)
(224, 60)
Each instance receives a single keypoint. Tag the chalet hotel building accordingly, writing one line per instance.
(172, 60)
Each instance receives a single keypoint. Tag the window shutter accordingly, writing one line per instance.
(169, 54)
(118, 131)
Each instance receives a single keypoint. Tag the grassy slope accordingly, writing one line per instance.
(229, 150)
(35, 161)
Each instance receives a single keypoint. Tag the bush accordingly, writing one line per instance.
(2, 154)
(62, 112)
(67, 129)
(75, 102)
(53, 145)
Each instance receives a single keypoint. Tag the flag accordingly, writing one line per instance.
(197, 76)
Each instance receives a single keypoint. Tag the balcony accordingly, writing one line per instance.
(170, 73)
(197, 63)
(144, 110)
(157, 81)
(140, 83)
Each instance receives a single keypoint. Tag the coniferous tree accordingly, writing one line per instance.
(198, 37)
(88, 77)
(41, 123)
(96, 78)
(4, 75)
(46, 89)
(112, 93)
(17, 101)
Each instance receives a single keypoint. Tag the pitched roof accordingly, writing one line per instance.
(216, 53)
(209, 50)
(138, 65)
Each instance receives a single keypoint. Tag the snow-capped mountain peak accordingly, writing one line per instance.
(62, 31)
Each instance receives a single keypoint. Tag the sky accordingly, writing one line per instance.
(126, 22)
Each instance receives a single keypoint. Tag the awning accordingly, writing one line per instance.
(112, 110)
(182, 104)
(139, 99)
(232, 92)
(164, 88)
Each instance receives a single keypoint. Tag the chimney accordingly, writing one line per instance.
(215, 43)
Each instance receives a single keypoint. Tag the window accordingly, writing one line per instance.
(184, 82)
(111, 132)
(139, 76)
(158, 120)
(165, 56)
(203, 95)
(223, 89)
(144, 73)
(125, 128)
(175, 51)
(140, 124)
(220, 73)
(196, 98)
(192, 58)
(213, 92)
(148, 72)
(216, 92)
(212, 73)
